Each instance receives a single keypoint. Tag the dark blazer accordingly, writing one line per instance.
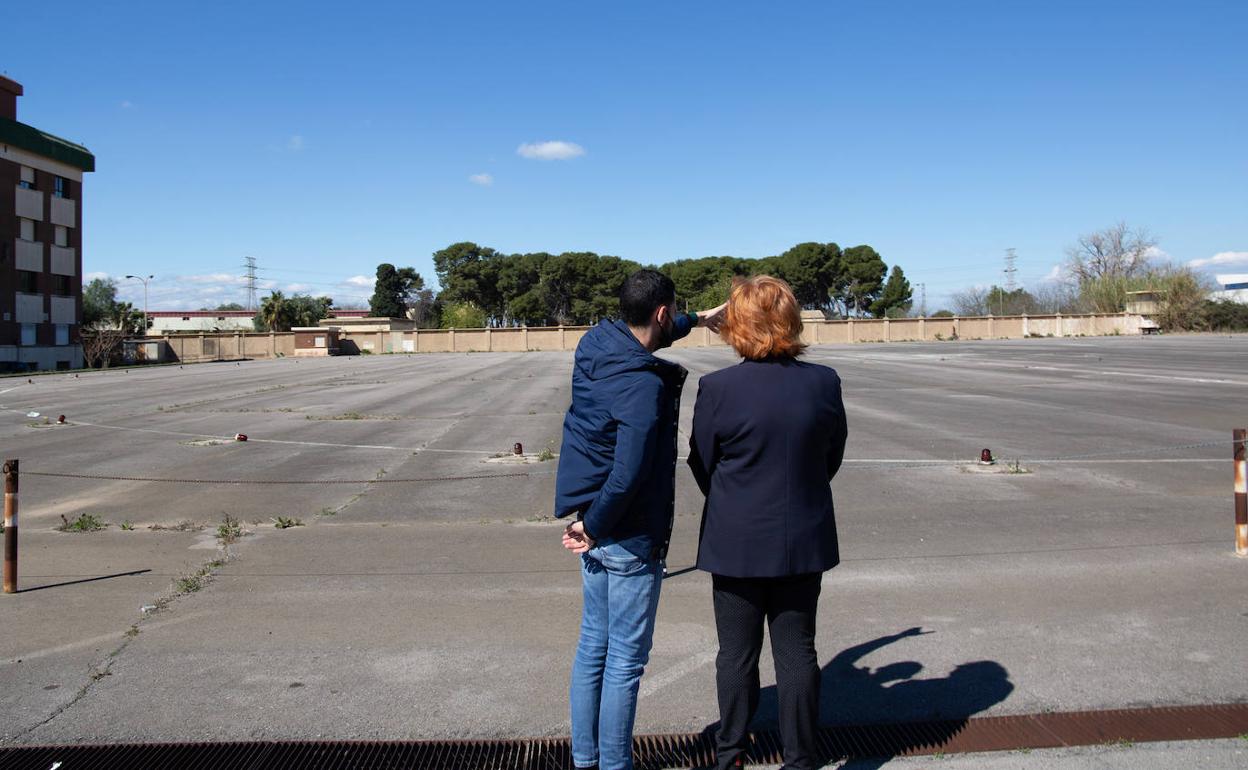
(768, 436)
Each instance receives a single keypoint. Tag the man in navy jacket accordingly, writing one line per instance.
(617, 469)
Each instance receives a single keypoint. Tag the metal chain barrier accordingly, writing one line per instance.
(865, 464)
(289, 482)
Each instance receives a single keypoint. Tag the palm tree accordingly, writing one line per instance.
(276, 312)
(126, 318)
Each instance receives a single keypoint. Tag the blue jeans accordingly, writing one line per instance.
(621, 583)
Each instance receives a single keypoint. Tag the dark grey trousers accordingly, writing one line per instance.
(788, 604)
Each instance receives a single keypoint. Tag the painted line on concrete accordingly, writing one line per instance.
(655, 682)
(94, 640)
(1023, 460)
(927, 364)
(1024, 552)
(1168, 460)
(1111, 373)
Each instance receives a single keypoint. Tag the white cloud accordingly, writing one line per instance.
(207, 290)
(126, 104)
(555, 150)
(1058, 273)
(485, 180)
(213, 278)
(1222, 258)
(295, 143)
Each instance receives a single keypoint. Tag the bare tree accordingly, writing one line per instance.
(100, 345)
(972, 301)
(1115, 252)
(1056, 297)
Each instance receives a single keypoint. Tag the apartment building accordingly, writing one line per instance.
(40, 243)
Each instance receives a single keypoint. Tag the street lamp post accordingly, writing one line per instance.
(144, 280)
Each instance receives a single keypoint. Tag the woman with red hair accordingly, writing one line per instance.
(768, 436)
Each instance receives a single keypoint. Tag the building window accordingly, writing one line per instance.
(61, 285)
(27, 181)
(61, 235)
(62, 334)
(61, 188)
(28, 281)
(26, 228)
(28, 334)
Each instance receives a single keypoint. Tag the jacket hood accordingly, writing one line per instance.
(610, 348)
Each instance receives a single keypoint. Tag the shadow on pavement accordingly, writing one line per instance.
(860, 695)
(83, 580)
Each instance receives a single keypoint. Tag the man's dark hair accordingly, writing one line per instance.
(642, 292)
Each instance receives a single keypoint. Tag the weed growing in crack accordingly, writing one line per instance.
(181, 526)
(189, 584)
(86, 522)
(229, 530)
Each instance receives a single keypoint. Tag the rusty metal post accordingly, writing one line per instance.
(10, 526)
(1241, 491)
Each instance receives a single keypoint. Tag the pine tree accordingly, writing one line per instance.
(896, 296)
(388, 293)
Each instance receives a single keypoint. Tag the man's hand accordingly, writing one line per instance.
(713, 318)
(575, 539)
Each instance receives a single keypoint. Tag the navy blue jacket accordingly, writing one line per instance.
(617, 464)
(768, 436)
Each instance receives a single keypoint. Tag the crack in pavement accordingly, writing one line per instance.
(98, 670)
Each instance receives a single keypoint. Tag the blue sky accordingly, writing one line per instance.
(325, 138)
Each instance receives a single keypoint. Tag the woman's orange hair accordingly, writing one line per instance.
(763, 319)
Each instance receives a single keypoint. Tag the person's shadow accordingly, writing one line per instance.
(853, 695)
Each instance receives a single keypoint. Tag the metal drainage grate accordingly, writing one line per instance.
(1075, 728)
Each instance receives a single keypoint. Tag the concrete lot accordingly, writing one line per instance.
(1103, 577)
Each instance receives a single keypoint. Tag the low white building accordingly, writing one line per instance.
(1232, 286)
(184, 321)
(192, 321)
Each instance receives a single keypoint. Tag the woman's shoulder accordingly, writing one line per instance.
(829, 372)
(747, 370)
(813, 370)
(718, 378)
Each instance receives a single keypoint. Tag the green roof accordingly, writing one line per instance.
(42, 143)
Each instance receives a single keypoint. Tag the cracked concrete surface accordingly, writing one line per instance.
(447, 609)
